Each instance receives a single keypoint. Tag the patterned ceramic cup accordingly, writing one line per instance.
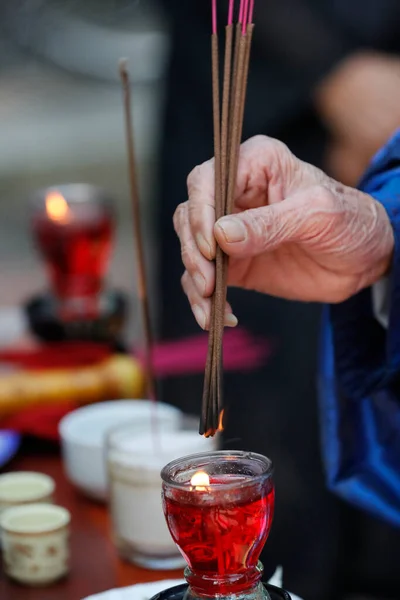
(35, 543)
(25, 487)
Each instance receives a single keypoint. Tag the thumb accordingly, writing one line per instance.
(263, 229)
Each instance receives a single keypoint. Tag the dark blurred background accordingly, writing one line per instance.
(325, 78)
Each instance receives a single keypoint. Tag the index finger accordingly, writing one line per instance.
(201, 190)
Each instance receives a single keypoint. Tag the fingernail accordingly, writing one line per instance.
(233, 229)
(231, 320)
(204, 246)
(200, 315)
(200, 283)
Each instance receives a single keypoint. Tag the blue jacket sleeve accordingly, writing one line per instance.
(359, 378)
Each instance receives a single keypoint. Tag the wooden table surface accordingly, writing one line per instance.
(95, 566)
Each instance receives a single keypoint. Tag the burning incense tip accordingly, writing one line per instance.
(221, 421)
(211, 432)
(200, 481)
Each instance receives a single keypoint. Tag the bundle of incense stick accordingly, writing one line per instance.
(228, 127)
(138, 234)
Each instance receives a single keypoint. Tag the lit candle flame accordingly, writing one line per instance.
(200, 481)
(57, 208)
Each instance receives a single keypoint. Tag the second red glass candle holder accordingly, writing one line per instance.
(73, 227)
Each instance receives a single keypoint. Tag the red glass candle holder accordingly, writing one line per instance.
(219, 508)
(73, 227)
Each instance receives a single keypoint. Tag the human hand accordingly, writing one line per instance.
(358, 103)
(296, 233)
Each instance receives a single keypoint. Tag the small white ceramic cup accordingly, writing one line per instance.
(25, 487)
(35, 543)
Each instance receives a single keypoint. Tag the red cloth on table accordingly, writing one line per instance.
(242, 352)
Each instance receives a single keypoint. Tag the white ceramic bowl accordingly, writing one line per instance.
(84, 431)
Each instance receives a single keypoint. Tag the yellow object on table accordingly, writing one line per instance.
(117, 377)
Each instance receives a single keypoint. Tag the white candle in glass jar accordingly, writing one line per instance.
(134, 465)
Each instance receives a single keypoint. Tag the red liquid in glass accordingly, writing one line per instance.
(76, 252)
(222, 539)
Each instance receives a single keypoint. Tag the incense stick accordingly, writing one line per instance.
(138, 237)
(227, 138)
(226, 97)
(221, 261)
(238, 35)
(209, 403)
(236, 126)
(249, 39)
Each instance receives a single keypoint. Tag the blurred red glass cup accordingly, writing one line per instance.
(73, 227)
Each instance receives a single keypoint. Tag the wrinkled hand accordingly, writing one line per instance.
(295, 233)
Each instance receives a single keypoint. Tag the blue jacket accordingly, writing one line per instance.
(359, 379)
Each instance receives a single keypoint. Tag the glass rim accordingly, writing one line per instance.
(238, 454)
